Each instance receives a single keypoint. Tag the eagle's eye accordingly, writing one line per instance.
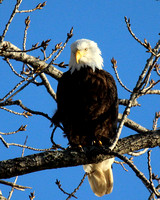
(86, 49)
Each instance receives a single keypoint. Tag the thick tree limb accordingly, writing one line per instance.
(72, 157)
(8, 50)
(125, 102)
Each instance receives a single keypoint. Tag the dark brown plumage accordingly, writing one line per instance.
(87, 106)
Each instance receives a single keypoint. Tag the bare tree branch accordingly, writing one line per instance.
(19, 103)
(48, 86)
(77, 188)
(2, 197)
(133, 125)
(22, 128)
(139, 153)
(11, 18)
(114, 66)
(125, 102)
(27, 59)
(38, 7)
(71, 157)
(138, 173)
(58, 183)
(15, 181)
(134, 95)
(32, 68)
(153, 92)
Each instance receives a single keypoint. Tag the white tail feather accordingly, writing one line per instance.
(100, 177)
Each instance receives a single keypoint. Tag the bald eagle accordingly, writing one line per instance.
(87, 108)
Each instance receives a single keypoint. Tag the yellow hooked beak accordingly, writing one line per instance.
(79, 55)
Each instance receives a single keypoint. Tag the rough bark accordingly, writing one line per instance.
(73, 157)
(8, 50)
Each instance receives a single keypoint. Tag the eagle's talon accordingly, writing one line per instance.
(80, 146)
(93, 142)
(100, 142)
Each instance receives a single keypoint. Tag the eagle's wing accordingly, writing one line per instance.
(100, 175)
(87, 106)
(88, 109)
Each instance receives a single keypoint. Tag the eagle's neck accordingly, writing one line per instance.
(77, 67)
(84, 69)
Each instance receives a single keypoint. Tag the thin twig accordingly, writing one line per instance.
(55, 146)
(77, 188)
(29, 111)
(32, 195)
(157, 69)
(19, 75)
(53, 143)
(25, 114)
(10, 19)
(156, 192)
(17, 187)
(58, 183)
(122, 164)
(22, 146)
(114, 66)
(44, 53)
(134, 95)
(139, 153)
(22, 128)
(69, 35)
(28, 82)
(27, 22)
(134, 168)
(62, 65)
(138, 173)
(4, 142)
(145, 43)
(48, 86)
(146, 79)
(34, 47)
(27, 147)
(145, 91)
(10, 92)
(38, 7)
(15, 181)
(150, 168)
(57, 47)
(155, 121)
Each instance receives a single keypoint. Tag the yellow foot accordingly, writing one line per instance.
(100, 142)
(80, 146)
(93, 142)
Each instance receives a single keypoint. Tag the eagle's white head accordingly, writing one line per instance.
(85, 53)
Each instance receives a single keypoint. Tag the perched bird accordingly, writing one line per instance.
(87, 107)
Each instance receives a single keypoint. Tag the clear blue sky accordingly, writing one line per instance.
(103, 22)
